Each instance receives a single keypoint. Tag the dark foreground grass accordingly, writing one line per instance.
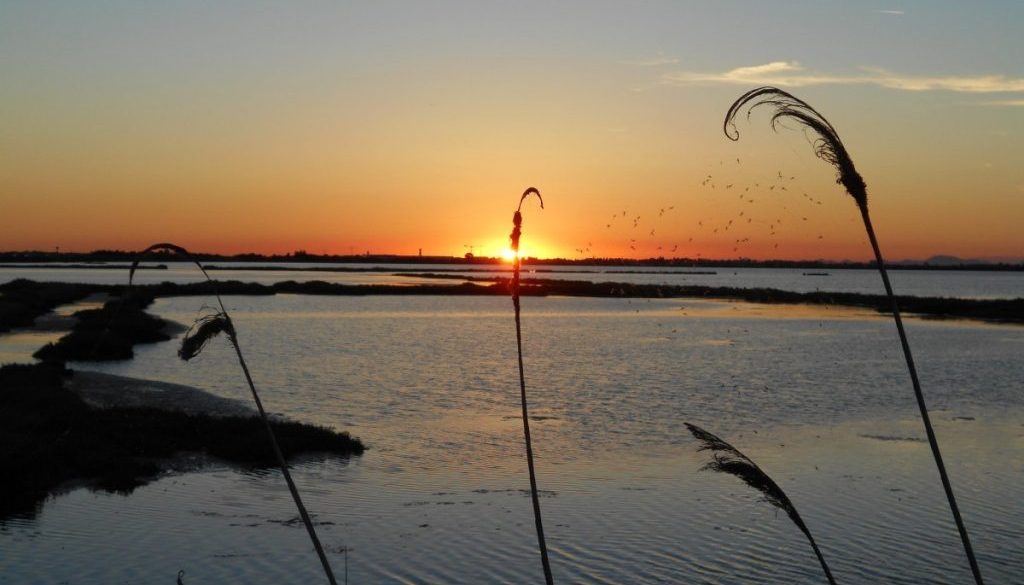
(49, 436)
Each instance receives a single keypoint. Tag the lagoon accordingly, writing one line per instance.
(819, 397)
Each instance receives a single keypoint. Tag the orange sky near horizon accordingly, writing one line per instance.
(306, 132)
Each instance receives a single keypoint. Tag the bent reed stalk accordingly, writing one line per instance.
(517, 222)
(198, 335)
(728, 459)
(828, 147)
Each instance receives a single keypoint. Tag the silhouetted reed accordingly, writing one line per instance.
(201, 332)
(517, 222)
(728, 459)
(828, 147)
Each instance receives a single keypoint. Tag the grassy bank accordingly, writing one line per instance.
(21, 301)
(49, 436)
(107, 333)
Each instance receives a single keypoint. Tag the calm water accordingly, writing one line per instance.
(965, 284)
(819, 398)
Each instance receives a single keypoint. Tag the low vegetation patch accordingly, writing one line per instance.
(107, 333)
(21, 301)
(49, 436)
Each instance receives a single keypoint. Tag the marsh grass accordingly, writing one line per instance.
(517, 223)
(49, 436)
(728, 459)
(205, 329)
(22, 300)
(107, 333)
(828, 147)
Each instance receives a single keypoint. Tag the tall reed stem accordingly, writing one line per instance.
(821, 559)
(278, 455)
(932, 441)
(541, 542)
(828, 147)
(306, 520)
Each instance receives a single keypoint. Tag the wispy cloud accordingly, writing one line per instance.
(657, 60)
(890, 12)
(792, 74)
(1011, 103)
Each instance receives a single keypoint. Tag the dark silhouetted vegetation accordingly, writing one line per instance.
(108, 333)
(21, 301)
(995, 310)
(49, 436)
(201, 332)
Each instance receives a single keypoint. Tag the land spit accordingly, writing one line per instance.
(61, 428)
(992, 310)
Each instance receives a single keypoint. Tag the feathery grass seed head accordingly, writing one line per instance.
(827, 145)
(728, 459)
(202, 331)
(517, 218)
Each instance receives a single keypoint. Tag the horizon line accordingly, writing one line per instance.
(302, 255)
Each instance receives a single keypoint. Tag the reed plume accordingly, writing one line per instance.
(728, 459)
(517, 223)
(208, 327)
(201, 332)
(828, 147)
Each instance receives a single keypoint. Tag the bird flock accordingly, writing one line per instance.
(756, 213)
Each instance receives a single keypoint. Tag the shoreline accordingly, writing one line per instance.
(1007, 311)
(60, 427)
(104, 391)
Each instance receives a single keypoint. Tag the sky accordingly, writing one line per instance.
(399, 127)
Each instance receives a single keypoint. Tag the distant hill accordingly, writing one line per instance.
(945, 260)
